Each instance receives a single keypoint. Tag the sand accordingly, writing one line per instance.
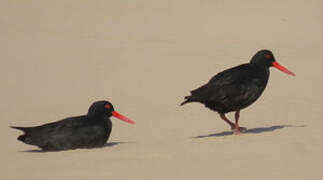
(144, 56)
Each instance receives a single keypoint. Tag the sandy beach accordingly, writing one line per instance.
(57, 57)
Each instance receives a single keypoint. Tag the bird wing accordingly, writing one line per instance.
(65, 127)
(41, 135)
(75, 132)
(223, 85)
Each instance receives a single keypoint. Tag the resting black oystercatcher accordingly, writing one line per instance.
(87, 131)
(237, 88)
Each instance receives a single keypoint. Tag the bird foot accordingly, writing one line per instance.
(240, 130)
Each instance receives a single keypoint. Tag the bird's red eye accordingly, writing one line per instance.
(107, 106)
(268, 56)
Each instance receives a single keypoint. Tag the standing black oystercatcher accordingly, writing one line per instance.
(237, 88)
(87, 131)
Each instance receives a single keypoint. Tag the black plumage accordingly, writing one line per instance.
(87, 131)
(236, 88)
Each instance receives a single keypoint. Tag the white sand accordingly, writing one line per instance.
(58, 57)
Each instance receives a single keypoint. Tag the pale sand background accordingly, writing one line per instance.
(58, 57)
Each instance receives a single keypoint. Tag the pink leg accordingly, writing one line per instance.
(227, 120)
(236, 127)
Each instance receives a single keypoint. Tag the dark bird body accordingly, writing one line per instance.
(236, 88)
(87, 131)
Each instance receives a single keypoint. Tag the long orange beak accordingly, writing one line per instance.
(282, 68)
(121, 117)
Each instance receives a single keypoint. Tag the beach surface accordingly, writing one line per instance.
(57, 57)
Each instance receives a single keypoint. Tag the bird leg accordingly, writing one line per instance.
(227, 120)
(238, 129)
(235, 126)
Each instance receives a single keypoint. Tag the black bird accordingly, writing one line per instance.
(237, 88)
(87, 131)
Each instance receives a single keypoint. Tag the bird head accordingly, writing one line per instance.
(105, 108)
(266, 59)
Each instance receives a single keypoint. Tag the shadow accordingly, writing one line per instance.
(107, 145)
(250, 131)
(34, 151)
(110, 144)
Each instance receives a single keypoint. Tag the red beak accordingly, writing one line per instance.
(282, 68)
(121, 117)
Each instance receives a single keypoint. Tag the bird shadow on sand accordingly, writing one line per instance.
(107, 145)
(250, 131)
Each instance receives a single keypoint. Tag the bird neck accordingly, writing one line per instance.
(259, 66)
(97, 115)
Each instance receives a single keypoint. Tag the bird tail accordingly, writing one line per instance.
(188, 100)
(24, 129)
(26, 138)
